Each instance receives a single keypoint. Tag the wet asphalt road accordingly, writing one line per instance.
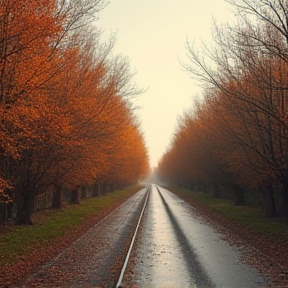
(176, 248)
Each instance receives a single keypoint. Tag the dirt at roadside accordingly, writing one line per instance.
(265, 254)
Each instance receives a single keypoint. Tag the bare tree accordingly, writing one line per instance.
(248, 68)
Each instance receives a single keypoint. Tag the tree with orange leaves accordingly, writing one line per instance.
(128, 160)
(196, 152)
(249, 75)
(27, 35)
(59, 98)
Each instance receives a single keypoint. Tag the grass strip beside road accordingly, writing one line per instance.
(49, 225)
(249, 218)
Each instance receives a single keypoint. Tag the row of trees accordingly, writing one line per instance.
(66, 114)
(238, 135)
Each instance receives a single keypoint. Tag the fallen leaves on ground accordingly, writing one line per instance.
(26, 265)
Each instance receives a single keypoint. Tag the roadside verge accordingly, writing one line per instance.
(23, 249)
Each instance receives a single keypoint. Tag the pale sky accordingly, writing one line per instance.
(152, 34)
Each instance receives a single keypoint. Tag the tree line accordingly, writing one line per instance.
(67, 118)
(236, 135)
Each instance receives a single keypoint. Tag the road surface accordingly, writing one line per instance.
(177, 248)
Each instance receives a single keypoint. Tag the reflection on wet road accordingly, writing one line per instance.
(176, 248)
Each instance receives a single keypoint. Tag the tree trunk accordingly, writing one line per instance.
(83, 192)
(104, 189)
(284, 198)
(284, 204)
(75, 196)
(113, 187)
(96, 190)
(239, 196)
(25, 207)
(2, 212)
(10, 205)
(10, 210)
(57, 200)
(269, 202)
(100, 189)
(110, 187)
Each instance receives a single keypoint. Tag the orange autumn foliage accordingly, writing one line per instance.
(63, 103)
(238, 135)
